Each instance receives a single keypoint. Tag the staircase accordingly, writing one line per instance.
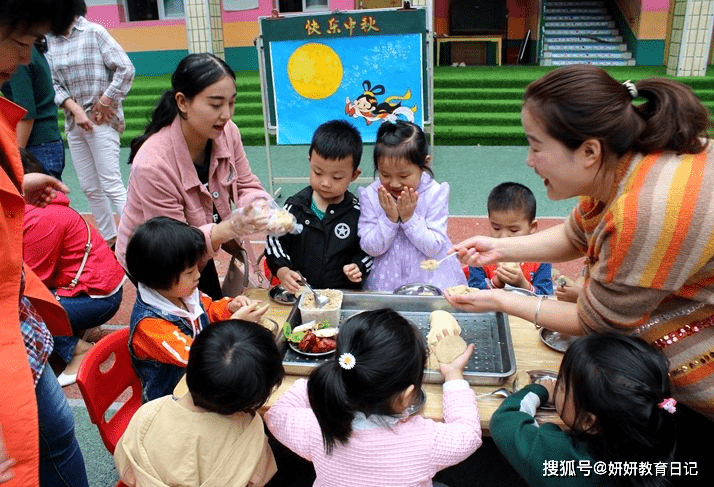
(581, 32)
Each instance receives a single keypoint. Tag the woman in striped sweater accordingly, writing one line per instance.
(644, 220)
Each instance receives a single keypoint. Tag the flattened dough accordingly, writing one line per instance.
(448, 348)
(511, 265)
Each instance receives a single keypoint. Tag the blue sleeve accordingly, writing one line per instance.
(543, 280)
(477, 278)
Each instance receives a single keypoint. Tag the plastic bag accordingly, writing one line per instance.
(267, 216)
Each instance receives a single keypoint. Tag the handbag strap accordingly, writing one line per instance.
(87, 248)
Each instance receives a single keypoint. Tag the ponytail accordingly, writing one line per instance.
(164, 114)
(676, 119)
(387, 355)
(331, 404)
(193, 74)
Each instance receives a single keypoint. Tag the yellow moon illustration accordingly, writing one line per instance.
(315, 71)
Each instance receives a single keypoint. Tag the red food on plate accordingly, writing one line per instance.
(308, 342)
(313, 344)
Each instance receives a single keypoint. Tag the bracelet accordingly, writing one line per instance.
(104, 104)
(537, 311)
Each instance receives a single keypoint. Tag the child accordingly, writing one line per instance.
(404, 213)
(212, 435)
(163, 256)
(327, 251)
(352, 417)
(511, 213)
(613, 393)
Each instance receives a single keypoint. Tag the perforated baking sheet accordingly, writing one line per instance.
(492, 362)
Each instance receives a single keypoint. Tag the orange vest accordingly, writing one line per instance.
(18, 406)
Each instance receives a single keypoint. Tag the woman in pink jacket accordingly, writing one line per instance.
(190, 164)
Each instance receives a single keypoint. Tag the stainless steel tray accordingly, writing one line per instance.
(492, 362)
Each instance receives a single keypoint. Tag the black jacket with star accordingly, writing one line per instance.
(324, 246)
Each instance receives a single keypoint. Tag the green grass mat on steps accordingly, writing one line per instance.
(478, 105)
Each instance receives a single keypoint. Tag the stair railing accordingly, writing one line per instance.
(541, 32)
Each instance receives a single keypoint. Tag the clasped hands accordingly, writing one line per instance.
(399, 209)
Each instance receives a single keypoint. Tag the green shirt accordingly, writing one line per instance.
(31, 88)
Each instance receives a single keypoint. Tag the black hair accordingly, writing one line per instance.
(30, 163)
(194, 73)
(337, 139)
(402, 140)
(233, 366)
(23, 15)
(161, 249)
(390, 355)
(580, 102)
(620, 380)
(512, 197)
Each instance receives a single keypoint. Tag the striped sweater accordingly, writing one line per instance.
(650, 264)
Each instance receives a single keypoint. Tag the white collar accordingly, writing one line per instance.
(361, 422)
(155, 299)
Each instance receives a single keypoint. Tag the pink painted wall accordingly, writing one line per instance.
(655, 5)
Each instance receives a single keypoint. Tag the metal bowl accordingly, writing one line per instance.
(418, 289)
(556, 340)
(281, 296)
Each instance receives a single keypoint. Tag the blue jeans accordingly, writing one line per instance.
(50, 156)
(84, 313)
(61, 460)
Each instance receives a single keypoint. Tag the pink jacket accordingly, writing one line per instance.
(407, 454)
(164, 182)
(55, 238)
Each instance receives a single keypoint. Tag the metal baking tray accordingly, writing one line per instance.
(492, 362)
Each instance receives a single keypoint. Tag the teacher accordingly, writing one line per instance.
(644, 221)
(190, 164)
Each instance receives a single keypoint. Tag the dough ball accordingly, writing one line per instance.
(460, 289)
(448, 348)
(514, 266)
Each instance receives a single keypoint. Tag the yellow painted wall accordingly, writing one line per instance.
(159, 38)
(653, 25)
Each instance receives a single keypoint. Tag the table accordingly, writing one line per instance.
(495, 38)
(531, 353)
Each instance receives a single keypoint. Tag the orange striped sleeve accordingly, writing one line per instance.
(161, 340)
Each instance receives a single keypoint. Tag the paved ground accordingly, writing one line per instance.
(471, 171)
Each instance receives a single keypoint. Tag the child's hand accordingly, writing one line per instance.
(549, 383)
(514, 277)
(289, 279)
(388, 204)
(455, 369)
(568, 293)
(238, 302)
(406, 203)
(6, 463)
(40, 189)
(352, 272)
(252, 312)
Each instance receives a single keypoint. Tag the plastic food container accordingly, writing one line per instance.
(330, 312)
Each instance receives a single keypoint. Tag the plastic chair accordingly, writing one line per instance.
(101, 388)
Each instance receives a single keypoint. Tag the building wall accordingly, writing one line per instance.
(643, 24)
(156, 47)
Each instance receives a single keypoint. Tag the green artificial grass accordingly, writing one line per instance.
(478, 105)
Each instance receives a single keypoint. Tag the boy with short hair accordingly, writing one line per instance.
(511, 213)
(212, 435)
(327, 252)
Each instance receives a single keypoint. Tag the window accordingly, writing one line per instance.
(153, 9)
(302, 5)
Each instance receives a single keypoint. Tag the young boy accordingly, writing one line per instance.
(212, 435)
(163, 255)
(511, 213)
(327, 252)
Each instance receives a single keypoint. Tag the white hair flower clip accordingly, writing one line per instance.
(669, 405)
(347, 361)
(631, 89)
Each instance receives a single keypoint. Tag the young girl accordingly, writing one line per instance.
(613, 393)
(211, 436)
(404, 214)
(352, 418)
(163, 256)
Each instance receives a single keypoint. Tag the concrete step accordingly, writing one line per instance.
(566, 4)
(579, 24)
(577, 31)
(592, 46)
(594, 62)
(570, 11)
(578, 18)
(610, 39)
(588, 54)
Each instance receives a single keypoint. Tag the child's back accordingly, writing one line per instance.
(327, 251)
(212, 436)
(378, 368)
(405, 214)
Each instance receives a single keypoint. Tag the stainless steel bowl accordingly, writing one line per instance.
(418, 289)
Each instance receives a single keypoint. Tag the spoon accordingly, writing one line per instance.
(433, 264)
(320, 301)
(500, 392)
